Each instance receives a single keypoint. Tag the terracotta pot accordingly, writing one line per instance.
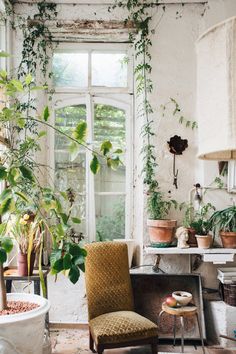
(23, 264)
(192, 241)
(204, 241)
(161, 232)
(228, 239)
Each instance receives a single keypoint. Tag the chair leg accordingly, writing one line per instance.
(91, 343)
(100, 349)
(154, 348)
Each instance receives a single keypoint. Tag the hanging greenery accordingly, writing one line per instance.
(38, 41)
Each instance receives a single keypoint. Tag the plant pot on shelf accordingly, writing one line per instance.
(17, 331)
(22, 263)
(192, 241)
(204, 241)
(228, 239)
(161, 232)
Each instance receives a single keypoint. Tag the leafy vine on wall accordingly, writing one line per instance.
(37, 42)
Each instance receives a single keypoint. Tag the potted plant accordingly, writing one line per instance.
(202, 225)
(51, 212)
(224, 221)
(26, 231)
(161, 230)
(187, 223)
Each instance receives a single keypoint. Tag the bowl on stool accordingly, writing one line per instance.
(182, 297)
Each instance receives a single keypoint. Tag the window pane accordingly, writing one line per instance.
(110, 217)
(70, 69)
(109, 124)
(71, 172)
(109, 69)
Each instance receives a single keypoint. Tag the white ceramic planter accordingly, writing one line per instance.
(23, 333)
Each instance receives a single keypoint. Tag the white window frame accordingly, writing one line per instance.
(121, 98)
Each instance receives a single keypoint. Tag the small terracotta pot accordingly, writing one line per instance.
(192, 241)
(204, 241)
(161, 232)
(23, 264)
(228, 239)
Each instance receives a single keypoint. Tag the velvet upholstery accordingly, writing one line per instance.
(112, 320)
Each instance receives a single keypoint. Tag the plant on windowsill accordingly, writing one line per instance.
(224, 222)
(201, 225)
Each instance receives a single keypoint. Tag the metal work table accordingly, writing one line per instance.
(11, 274)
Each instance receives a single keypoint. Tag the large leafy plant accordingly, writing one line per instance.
(224, 220)
(201, 220)
(158, 208)
(20, 172)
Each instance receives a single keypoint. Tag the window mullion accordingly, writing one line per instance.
(90, 200)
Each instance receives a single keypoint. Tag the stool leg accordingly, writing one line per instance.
(200, 332)
(159, 317)
(182, 333)
(174, 329)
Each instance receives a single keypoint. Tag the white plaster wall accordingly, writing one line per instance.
(174, 75)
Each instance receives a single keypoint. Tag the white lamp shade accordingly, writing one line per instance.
(216, 92)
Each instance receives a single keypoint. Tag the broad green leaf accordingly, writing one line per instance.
(77, 260)
(74, 149)
(3, 172)
(82, 267)
(76, 220)
(118, 151)
(7, 244)
(74, 274)
(58, 265)
(17, 84)
(63, 217)
(55, 255)
(42, 133)
(67, 261)
(26, 173)
(3, 228)
(22, 196)
(3, 74)
(113, 162)
(46, 114)
(6, 206)
(94, 165)
(75, 249)
(3, 255)
(80, 131)
(4, 54)
(106, 147)
(38, 88)
(28, 79)
(64, 195)
(21, 123)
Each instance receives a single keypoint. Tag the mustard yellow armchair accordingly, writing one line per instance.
(112, 320)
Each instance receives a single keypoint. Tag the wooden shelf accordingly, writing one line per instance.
(214, 255)
(190, 250)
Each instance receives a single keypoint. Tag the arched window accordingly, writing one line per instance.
(103, 201)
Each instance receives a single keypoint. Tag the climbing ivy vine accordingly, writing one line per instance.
(38, 41)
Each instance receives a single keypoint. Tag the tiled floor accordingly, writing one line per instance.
(76, 342)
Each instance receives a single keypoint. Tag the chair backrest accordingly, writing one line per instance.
(107, 278)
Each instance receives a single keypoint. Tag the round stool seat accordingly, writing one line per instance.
(183, 311)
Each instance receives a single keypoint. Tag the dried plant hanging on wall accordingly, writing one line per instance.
(176, 147)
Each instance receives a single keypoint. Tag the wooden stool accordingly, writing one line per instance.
(182, 312)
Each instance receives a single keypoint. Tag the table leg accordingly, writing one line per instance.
(37, 287)
(8, 285)
(200, 332)
(174, 329)
(182, 333)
